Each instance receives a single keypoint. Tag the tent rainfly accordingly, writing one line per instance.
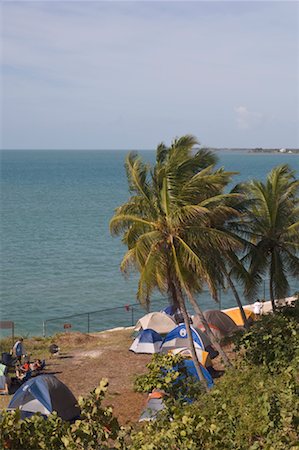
(147, 341)
(160, 322)
(45, 394)
(220, 324)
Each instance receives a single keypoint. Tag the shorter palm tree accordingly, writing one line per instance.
(272, 226)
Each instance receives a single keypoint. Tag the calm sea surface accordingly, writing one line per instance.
(57, 255)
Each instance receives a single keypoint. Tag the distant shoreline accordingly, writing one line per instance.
(225, 149)
(279, 151)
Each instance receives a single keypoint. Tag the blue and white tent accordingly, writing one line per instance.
(177, 338)
(147, 341)
(191, 370)
(45, 394)
(170, 310)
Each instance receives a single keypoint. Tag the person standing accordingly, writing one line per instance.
(18, 349)
(257, 308)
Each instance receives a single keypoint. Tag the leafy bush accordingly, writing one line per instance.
(97, 428)
(247, 410)
(253, 406)
(273, 340)
(167, 372)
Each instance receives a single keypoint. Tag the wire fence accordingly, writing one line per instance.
(127, 315)
(103, 319)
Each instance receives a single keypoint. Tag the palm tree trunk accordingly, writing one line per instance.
(208, 330)
(272, 293)
(238, 300)
(172, 292)
(191, 342)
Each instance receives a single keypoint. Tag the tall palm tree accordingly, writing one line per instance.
(167, 223)
(272, 225)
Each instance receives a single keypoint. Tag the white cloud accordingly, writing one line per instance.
(246, 119)
(166, 68)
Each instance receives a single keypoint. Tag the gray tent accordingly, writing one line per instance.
(44, 394)
(220, 324)
(154, 405)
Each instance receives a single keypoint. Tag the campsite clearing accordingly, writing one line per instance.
(85, 359)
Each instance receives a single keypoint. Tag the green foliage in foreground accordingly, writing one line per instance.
(167, 372)
(273, 341)
(97, 428)
(253, 406)
(249, 409)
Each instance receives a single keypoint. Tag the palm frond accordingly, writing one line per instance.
(122, 222)
(137, 173)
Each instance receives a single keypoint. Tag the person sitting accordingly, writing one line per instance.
(37, 365)
(21, 370)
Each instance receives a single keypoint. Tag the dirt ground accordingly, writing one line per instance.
(85, 359)
(105, 355)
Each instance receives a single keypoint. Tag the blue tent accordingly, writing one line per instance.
(45, 394)
(191, 370)
(177, 338)
(170, 310)
(147, 341)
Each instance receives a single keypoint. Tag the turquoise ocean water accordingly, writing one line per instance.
(57, 255)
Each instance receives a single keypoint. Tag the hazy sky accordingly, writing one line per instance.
(128, 75)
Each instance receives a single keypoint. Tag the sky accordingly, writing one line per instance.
(129, 75)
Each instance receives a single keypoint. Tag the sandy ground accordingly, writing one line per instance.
(85, 359)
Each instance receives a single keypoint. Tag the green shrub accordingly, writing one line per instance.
(96, 429)
(167, 372)
(253, 406)
(247, 410)
(273, 340)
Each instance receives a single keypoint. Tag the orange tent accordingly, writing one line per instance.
(235, 315)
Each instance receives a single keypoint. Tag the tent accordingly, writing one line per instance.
(160, 322)
(220, 324)
(154, 404)
(177, 338)
(45, 394)
(191, 370)
(202, 355)
(204, 337)
(176, 342)
(147, 341)
(235, 315)
(207, 343)
(170, 310)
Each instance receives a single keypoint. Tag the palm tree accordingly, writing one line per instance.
(167, 224)
(272, 225)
